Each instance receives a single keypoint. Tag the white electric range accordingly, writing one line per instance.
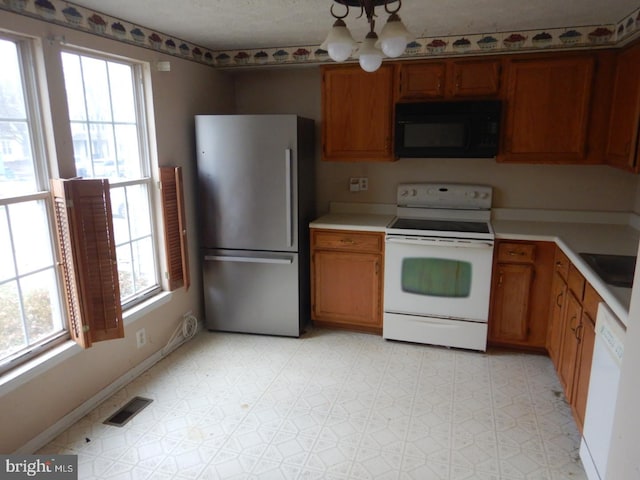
(438, 261)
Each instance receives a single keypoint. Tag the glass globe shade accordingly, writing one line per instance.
(394, 37)
(339, 43)
(369, 56)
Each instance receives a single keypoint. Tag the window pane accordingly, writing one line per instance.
(11, 92)
(437, 277)
(96, 86)
(73, 85)
(144, 264)
(17, 175)
(120, 217)
(122, 93)
(13, 336)
(32, 242)
(7, 269)
(41, 305)
(128, 150)
(125, 271)
(82, 150)
(139, 211)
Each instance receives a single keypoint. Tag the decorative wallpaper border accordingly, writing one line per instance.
(79, 18)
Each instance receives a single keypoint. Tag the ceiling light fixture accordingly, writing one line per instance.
(393, 39)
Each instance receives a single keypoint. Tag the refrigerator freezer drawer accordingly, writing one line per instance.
(252, 292)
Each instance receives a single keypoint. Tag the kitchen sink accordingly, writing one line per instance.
(616, 270)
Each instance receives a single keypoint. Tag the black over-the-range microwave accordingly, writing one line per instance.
(467, 129)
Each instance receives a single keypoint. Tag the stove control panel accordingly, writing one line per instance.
(444, 195)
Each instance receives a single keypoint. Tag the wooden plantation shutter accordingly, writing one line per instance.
(88, 259)
(175, 227)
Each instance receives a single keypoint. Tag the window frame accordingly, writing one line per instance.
(149, 172)
(33, 97)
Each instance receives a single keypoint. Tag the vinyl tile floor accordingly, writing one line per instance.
(333, 405)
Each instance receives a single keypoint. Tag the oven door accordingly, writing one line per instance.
(438, 277)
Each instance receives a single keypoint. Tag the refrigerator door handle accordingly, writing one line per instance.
(229, 258)
(289, 194)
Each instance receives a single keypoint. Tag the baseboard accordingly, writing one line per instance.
(75, 415)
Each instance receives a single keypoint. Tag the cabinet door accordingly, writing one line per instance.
(422, 80)
(622, 142)
(357, 112)
(510, 310)
(346, 288)
(548, 103)
(569, 351)
(556, 313)
(587, 338)
(474, 78)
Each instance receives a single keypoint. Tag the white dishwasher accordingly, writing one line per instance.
(603, 392)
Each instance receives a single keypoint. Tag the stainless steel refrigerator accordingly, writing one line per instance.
(256, 199)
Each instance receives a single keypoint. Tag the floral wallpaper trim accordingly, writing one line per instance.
(79, 18)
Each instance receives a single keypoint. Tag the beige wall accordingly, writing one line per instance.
(288, 90)
(186, 90)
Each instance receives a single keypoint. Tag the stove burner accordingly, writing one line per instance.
(440, 225)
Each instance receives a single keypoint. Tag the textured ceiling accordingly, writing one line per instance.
(246, 24)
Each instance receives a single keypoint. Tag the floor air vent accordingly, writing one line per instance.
(126, 413)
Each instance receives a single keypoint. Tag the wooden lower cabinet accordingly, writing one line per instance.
(521, 286)
(571, 334)
(510, 319)
(556, 313)
(347, 279)
(587, 340)
(569, 350)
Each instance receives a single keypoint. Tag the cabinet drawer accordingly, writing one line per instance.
(576, 282)
(562, 263)
(348, 240)
(590, 301)
(516, 252)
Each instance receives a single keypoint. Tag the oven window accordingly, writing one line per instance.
(436, 277)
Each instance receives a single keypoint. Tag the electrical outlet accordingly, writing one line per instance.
(358, 184)
(141, 338)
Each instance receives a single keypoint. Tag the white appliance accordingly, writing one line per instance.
(603, 392)
(438, 260)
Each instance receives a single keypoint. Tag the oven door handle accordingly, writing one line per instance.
(440, 242)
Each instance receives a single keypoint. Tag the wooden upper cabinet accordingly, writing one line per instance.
(474, 78)
(450, 79)
(357, 113)
(421, 80)
(622, 142)
(548, 103)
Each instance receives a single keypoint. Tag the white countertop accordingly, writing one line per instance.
(353, 221)
(593, 233)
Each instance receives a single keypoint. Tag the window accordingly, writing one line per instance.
(106, 111)
(31, 316)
